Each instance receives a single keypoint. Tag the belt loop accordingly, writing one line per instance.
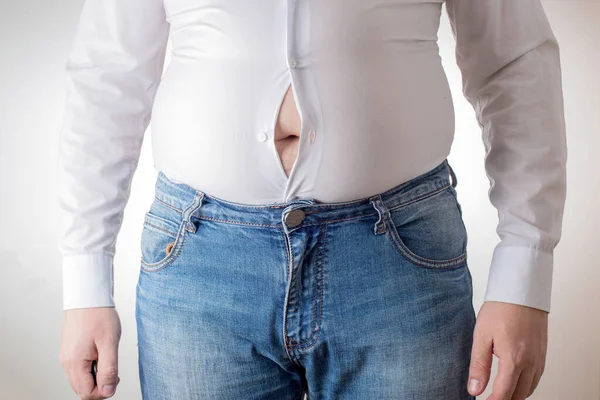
(380, 225)
(191, 209)
(452, 174)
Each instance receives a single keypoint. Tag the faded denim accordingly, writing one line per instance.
(367, 299)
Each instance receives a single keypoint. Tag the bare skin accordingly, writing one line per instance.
(91, 334)
(287, 132)
(516, 334)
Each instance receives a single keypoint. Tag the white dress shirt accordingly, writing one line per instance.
(372, 94)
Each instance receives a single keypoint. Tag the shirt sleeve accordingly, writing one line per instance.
(511, 75)
(112, 74)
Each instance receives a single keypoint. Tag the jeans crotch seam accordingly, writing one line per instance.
(191, 209)
(380, 226)
(317, 317)
(288, 341)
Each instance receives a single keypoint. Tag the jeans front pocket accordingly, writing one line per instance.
(161, 242)
(429, 232)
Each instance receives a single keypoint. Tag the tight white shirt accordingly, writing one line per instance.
(368, 81)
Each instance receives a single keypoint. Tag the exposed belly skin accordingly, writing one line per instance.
(287, 131)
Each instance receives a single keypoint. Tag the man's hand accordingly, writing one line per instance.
(91, 334)
(518, 336)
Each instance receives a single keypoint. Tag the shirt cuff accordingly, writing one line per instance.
(520, 275)
(88, 280)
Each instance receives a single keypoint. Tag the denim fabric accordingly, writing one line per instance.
(366, 299)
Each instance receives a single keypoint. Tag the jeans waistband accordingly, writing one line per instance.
(183, 197)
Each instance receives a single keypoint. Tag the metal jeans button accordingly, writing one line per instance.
(294, 217)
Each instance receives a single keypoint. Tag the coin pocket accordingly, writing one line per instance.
(161, 241)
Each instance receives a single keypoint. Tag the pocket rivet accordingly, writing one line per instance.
(170, 247)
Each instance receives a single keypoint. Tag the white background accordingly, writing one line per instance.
(35, 38)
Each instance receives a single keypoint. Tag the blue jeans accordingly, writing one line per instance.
(366, 299)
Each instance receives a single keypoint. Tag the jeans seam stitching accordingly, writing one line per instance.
(173, 255)
(423, 196)
(179, 241)
(300, 345)
(168, 205)
(174, 235)
(404, 251)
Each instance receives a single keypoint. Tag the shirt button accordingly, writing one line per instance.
(262, 136)
(293, 63)
(312, 136)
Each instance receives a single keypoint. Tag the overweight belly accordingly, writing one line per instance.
(233, 137)
(219, 131)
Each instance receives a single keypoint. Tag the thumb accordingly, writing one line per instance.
(481, 364)
(108, 371)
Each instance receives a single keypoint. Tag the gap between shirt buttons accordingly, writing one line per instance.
(263, 136)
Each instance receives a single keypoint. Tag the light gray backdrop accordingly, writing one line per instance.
(35, 38)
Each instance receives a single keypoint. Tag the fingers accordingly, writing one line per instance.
(91, 334)
(80, 377)
(108, 372)
(534, 383)
(506, 380)
(523, 388)
(481, 363)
